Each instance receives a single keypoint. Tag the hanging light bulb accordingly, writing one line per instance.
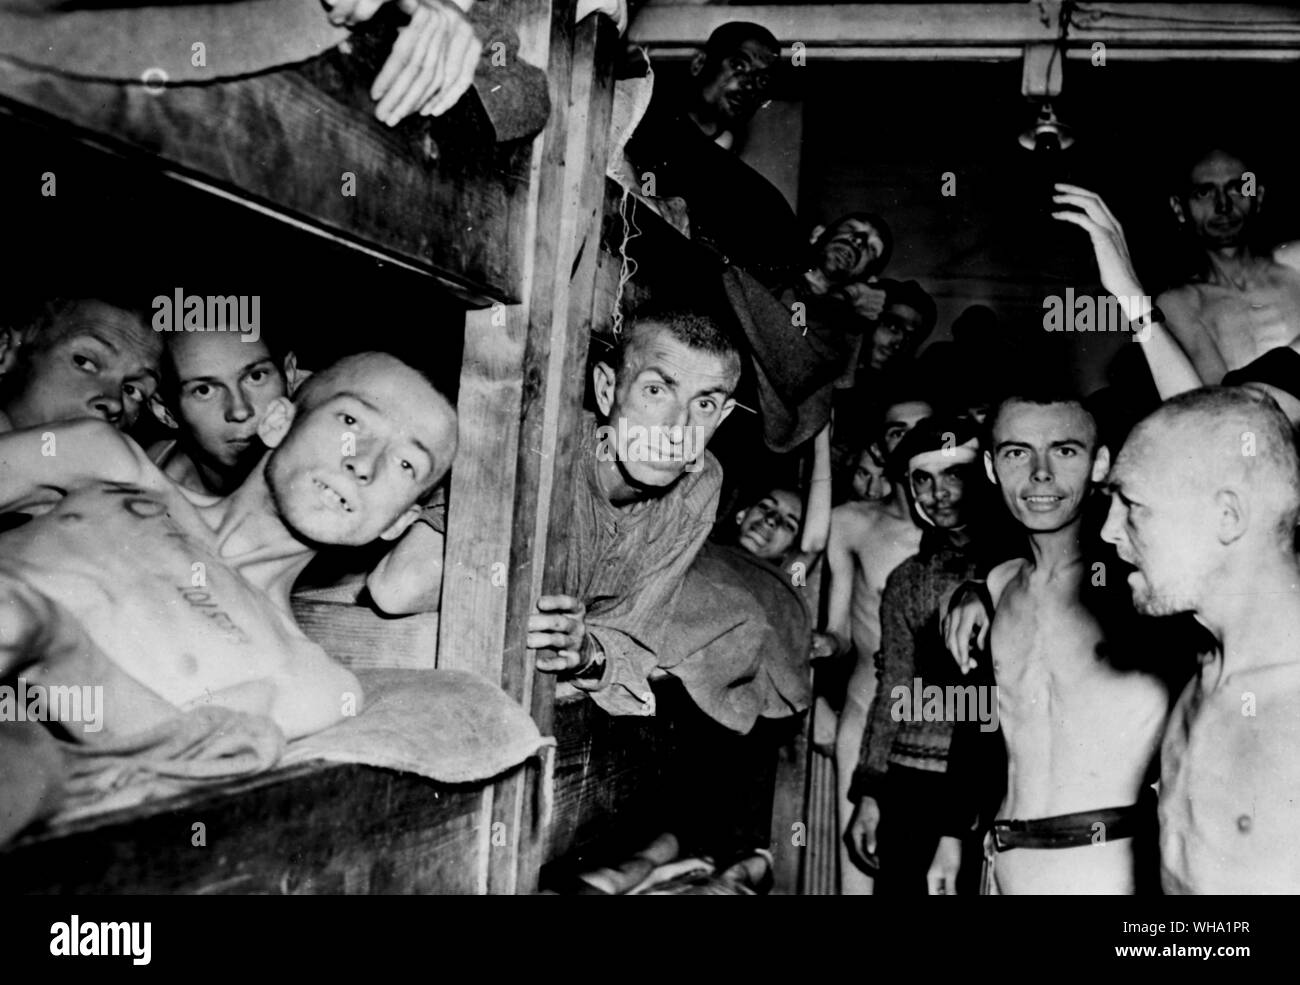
(1048, 133)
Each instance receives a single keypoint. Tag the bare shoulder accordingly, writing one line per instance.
(1288, 255)
(1001, 576)
(853, 519)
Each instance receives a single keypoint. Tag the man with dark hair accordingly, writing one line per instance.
(1080, 713)
(907, 315)
(867, 542)
(901, 768)
(1205, 497)
(684, 148)
(1242, 303)
(644, 501)
(80, 357)
(216, 386)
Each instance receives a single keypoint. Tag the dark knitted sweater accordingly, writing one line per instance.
(911, 649)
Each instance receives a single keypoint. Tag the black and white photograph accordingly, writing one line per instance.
(650, 447)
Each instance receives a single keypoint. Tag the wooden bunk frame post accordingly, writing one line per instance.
(521, 392)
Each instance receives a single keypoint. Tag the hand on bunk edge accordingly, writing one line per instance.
(1113, 260)
(431, 65)
(559, 625)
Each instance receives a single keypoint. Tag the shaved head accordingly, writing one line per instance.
(1217, 436)
(1206, 489)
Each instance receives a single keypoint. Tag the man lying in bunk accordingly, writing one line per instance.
(683, 148)
(217, 387)
(77, 358)
(644, 500)
(188, 594)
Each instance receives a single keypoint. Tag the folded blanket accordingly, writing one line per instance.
(739, 639)
(449, 725)
(203, 744)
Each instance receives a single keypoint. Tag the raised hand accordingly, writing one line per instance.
(1113, 260)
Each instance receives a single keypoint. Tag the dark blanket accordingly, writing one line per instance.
(739, 639)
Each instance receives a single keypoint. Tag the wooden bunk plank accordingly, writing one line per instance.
(362, 639)
(554, 369)
(285, 142)
(310, 829)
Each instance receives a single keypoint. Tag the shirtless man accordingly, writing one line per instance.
(78, 358)
(867, 541)
(1205, 496)
(1081, 725)
(217, 386)
(188, 595)
(1243, 304)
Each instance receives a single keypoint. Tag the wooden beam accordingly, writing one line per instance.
(981, 31)
(301, 144)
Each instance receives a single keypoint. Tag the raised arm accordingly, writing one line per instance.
(41, 462)
(1172, 370)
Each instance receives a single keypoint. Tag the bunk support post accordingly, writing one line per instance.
(521, 396)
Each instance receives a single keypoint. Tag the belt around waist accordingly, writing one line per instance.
(1071, 830)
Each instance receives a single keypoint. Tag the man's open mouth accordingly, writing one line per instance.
(331, 496)
(1043, 503)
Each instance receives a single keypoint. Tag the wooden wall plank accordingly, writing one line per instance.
(305, 830)
(283, 141)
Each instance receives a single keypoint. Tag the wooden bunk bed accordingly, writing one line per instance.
(522, 236)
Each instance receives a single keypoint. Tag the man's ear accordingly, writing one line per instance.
(1177, 207)
(162, 413)
(398, 526)
(988, 468)
(10, 342)
(728, 406)
(605, 379)
(1233, 515)
(1101, 464)
(276, 422)
(1259, 197)
(697, 63)
(294, 375)
(815, 235)
(740, 516)
(876, 454)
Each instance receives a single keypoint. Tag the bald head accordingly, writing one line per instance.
(1205, 491)
(1217, 437)
(370, 439)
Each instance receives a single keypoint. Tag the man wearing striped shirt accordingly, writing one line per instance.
(644, 501)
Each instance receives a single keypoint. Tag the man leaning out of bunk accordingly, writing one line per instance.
(644, 500)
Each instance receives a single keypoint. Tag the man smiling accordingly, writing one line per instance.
(639, 520)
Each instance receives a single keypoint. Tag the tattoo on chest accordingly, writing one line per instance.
(201, 602)
(140, 504)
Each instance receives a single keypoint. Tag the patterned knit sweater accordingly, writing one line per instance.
(911, 650)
